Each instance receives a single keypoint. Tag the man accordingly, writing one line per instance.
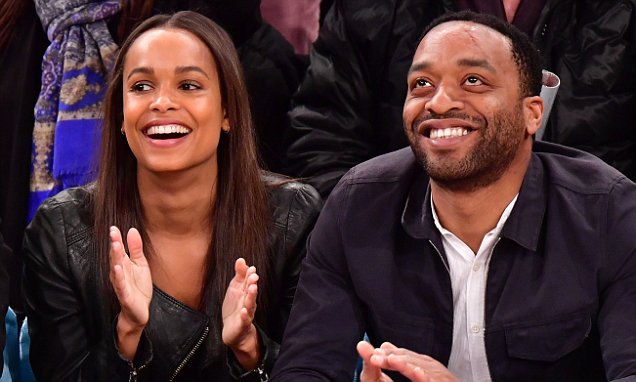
(348, 107)
(476, 254)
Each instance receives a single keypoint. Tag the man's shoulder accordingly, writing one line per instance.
(577, 170)
(395, 166)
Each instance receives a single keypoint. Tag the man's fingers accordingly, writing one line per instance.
(370, 373)
(365, 349)
(417, 367)
(409, 370)
(387, 346)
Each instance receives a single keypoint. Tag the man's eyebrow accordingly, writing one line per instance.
(191, 68)
(467, 62)
(476, 62)
(419, 66)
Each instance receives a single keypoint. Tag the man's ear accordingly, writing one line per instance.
(532, 113)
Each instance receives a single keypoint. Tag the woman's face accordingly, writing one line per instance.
(173, 114)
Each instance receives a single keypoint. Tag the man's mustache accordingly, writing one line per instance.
(477, 120)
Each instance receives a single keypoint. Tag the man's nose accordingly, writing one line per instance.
(445, 99)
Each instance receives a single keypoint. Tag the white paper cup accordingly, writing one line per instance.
(550, 86)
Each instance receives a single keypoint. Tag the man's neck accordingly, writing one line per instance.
(471, 215)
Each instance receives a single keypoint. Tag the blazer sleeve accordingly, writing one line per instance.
(617, 326)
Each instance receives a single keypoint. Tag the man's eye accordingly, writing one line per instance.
(472, 80)
(421, 83)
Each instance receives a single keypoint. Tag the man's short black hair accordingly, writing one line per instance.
(524, 53)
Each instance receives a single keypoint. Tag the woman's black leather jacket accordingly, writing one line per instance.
(72, 331)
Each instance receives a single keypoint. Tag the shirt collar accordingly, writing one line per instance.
(523, 226)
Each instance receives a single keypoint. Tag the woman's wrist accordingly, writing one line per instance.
(128, 336)
(248, 350)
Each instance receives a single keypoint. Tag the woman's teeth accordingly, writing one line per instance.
(167, 129)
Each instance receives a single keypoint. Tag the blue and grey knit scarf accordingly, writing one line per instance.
(68, 111)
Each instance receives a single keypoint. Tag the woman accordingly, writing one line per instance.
(179, 175)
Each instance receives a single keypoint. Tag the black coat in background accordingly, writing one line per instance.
(349, 106)
(20, 72)
(272, 70)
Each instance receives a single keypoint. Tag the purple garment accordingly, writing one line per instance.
(525, 18)
(297, 20)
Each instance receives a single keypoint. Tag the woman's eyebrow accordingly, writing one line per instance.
(142, 70)
(190, 68)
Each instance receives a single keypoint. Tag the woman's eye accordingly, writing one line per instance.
(473, 81)
(190, 86)
(421, 83)
(140, 87)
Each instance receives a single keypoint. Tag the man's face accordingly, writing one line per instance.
(463, 114)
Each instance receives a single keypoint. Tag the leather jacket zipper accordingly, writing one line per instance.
(191, 353)
(134, 372)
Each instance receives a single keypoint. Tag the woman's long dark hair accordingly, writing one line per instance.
(240, 214)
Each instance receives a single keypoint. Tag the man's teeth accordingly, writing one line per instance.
(448, 132)
(167, 129)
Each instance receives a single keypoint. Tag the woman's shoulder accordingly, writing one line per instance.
(294, 203)
(68, 212)
(75, 199)
(285, 191)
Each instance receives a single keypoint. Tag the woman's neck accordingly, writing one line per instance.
(176, 203)
(177, 210)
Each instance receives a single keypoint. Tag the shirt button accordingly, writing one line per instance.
(475, 328)
(476, 267)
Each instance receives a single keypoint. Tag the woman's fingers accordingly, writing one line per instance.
(135, 246)
(240, 270)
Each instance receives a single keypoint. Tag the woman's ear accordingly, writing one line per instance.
(532, 113)
(225, 125)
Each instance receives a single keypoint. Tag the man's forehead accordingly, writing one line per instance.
(467, 32)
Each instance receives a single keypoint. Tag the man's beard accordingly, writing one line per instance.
(494, 151)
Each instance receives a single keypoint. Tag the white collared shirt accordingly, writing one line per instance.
(468, 274)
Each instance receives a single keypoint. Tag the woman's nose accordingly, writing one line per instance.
(164, 100)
